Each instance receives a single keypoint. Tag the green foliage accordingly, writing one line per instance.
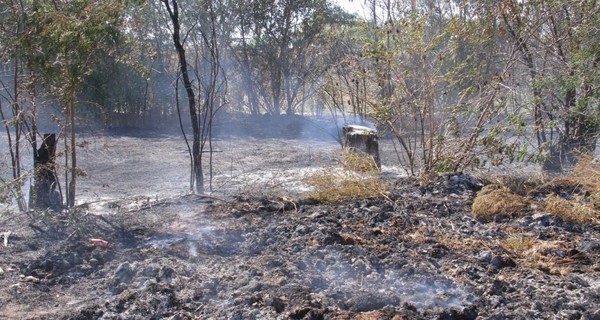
(116, 88)
(64, 38)
(434, 83)
(11, 190)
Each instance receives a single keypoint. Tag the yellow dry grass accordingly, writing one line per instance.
(584, 204)
(518, 243)
(576, 210)
(357, 179)
(538, 254)
(358, 162)
(495, 200)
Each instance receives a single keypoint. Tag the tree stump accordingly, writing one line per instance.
(44, 193)
(360, 139)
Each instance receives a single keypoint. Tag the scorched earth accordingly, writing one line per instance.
(257, 248)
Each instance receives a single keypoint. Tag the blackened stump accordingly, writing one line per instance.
(361, 139)
(44, 194)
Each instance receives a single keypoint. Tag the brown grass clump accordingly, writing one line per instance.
(495, 200)
(356, 162)
(576, 196)
(549, 256)
(576, 210)
(358, 179)
(520, 183)
(587, 174)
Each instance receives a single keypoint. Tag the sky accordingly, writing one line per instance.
(352, 6)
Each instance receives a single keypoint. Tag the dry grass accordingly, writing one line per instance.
(574, 197)
(358, 179)
(357, 162)
(582, 185)
(538, 254)
(587, 173)
(520, 182)
(462, 243)
(518, 244)
(496, 200)
(576, 210)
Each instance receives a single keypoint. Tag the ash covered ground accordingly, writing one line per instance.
(256, 248)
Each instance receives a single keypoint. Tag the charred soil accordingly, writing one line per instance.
(419, 254)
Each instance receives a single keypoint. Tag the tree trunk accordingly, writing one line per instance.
(44, 194)
(73, 183)
(187, 83)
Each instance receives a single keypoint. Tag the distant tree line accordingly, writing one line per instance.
(454, 83)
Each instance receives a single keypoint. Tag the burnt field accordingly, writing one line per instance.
(257, 248)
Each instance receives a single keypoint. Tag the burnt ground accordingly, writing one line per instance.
(257, 249)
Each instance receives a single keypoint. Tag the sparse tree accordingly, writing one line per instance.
(279, 49)
(558, 46)
(208, 73)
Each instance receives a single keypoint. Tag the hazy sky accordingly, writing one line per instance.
(353, 6)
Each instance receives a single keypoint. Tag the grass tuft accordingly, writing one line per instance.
(518, 243)
(495, 200)
(575, 210)
(358, 178)
(576, 196)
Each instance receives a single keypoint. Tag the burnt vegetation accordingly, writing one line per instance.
(279, 159)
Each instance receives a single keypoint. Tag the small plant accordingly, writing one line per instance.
(518, 243)
(11, 190)
(358, 178)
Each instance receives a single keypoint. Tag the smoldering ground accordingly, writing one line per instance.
(252, 251)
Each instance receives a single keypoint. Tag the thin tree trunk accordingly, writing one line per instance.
(73, 183)
(537, 92)
(197, 163)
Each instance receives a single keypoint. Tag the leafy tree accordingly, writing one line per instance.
(278, 49)
(429, 76)
(558, 43)
(62, 41)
